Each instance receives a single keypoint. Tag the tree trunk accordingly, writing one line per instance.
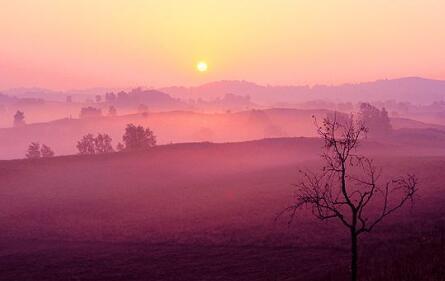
(354, 257)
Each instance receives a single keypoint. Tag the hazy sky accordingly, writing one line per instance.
(63, 44)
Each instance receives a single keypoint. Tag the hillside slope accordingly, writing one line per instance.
(182, 126)
(209, 207)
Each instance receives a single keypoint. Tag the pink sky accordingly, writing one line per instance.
(64, 44)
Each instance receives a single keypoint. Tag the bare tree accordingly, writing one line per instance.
(347, 187)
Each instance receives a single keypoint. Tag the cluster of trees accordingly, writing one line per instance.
(93, 112)
(111, 97)
(35, 150)
(85, 112)
(141, 96)
(90, 112)
(134, 138)
(134, 96)
(138, 138)
(376, 120)
(90, 144)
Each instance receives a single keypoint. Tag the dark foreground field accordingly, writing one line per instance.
(205, 212)
(55, 260)
(415, 259)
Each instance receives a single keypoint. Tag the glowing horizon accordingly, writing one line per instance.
(84, 44)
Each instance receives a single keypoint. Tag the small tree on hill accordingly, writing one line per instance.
(33, 151)
(98, 98)
(46, 151)
(89, 144)
(90, 112)
(138, 138)
(19, 118)
(376, 120)
(120, 147)
(110, 97)
(86, 145)
(102, 144)
(347, 188)
(112, 111)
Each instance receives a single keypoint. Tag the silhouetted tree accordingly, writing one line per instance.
(19, 118)
(347, 187)
(90, 112)
(122, 95)
(86, 145)
(89, 144)
(102, 144)
(98, 98)
(138, 138)
(112, 111)
(33, 151)
(46, 151)
(120, 147)
(110, 97)
(376, 120)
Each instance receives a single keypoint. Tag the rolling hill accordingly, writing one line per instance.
(185, 126)
(209, 207)
(409, 89)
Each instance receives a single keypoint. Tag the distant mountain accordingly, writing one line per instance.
(38, 93)
(409, 89)
(80, 95)
(264, 95)
(5, 99)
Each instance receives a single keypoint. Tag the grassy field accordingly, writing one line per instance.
(203, 212)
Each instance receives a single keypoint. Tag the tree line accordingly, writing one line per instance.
(135, 138)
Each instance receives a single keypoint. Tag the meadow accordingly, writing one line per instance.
(204, 211)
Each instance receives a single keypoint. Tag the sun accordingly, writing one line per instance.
(202, 66)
